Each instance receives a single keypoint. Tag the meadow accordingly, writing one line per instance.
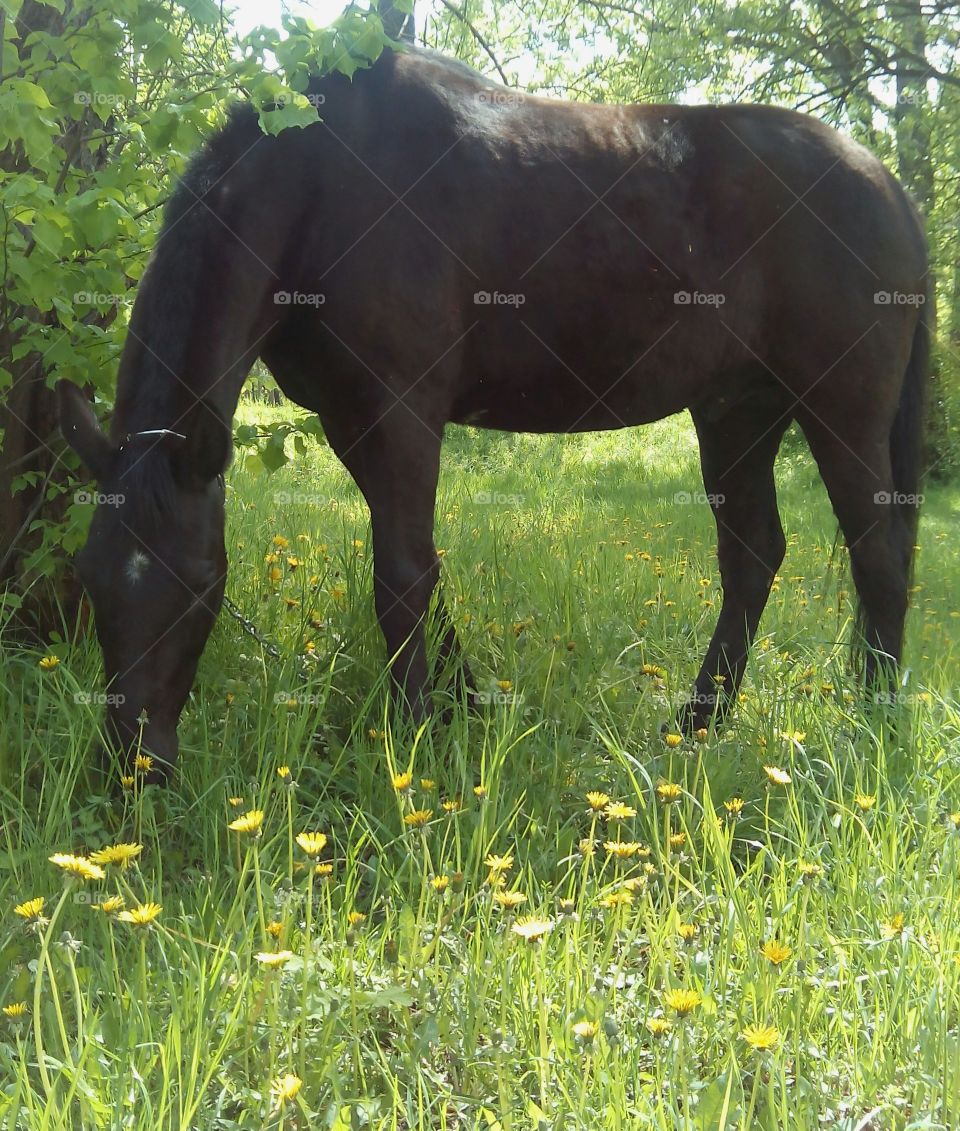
(546, 912)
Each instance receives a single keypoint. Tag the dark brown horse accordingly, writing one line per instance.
(439, 248)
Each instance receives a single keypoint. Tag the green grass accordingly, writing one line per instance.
(569, 566)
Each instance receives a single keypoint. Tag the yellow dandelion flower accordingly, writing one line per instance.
(31, 910)
(669, 791)
(505, 684)
(312, 843)
(677, 840)
(418, 818)
(617, 811)
(621, 849)
(280, 541)
(659, 1026)
(48, 663)
(687, 931)
(809, 871)
(585, 1030)
(776, 776)
(531, 927)
(734, 806)
(586, 847)
(78, 866)
(110, 906)
(499, 863)
(893, 926)
(275, 929)
(142, 915)
(701, 734)
(143, 763)
(865, 801)
(597, 801)
(682, 1002)
(323, 870)
(654, 671)
(440, 883)
(761, 1037)
(356, 918)
(274, 959)
(776, 952)
(283, 773)
(509, 899)
(120, 854)
(236, 802)
(15, 1010)
(127, 781)
(673, 740)
(427, 784)
(402, 782)
(621, 898)
(286, 1087)
(452, 805)
(248, 822)
(479, 792)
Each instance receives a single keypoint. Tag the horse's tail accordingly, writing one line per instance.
(907, 452)
(906, 437)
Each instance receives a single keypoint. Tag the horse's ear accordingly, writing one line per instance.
(81, 429)
(206, 450)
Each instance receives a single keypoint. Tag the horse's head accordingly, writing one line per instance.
(154, 564)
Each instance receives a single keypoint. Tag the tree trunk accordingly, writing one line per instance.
(912, 125)
(30, 442)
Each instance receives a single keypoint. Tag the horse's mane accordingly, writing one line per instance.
(148, 393)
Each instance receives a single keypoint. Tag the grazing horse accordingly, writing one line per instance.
(440, 248)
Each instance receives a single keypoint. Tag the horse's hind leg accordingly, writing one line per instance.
(737, 453)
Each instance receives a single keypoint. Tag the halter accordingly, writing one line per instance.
(159, 432)
(130, 436)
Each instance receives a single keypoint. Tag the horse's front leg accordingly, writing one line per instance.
(405, 574)
(396, 463)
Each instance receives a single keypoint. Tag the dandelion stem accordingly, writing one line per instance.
(43, 964)
(307, 960)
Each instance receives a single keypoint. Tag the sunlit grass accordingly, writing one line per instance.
(756, 928)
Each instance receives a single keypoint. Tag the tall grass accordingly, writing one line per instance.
(585, 591)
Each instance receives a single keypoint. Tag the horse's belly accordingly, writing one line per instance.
(564, 404)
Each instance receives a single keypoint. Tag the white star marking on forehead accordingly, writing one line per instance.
(136, 566)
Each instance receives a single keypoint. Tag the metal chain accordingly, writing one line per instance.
(250, 628)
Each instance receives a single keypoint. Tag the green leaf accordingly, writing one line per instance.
(30, 93)
(272, 454)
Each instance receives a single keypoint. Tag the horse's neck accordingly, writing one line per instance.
(195, 332)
